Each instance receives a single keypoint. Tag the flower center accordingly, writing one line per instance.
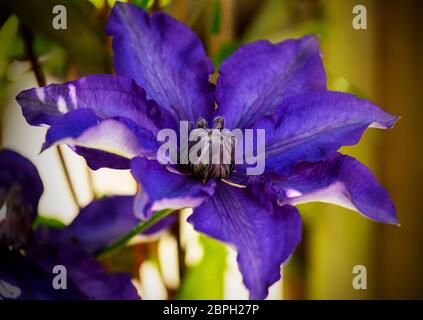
(211, 152)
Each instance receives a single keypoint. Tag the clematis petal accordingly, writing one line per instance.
(84, 273)
(102, 99)
(341, 180)
(263, 233)
(313, 126)
(108, 96)
(161, 189)
(118, 136)
(259, 76)
(164, 57)
(102, 222)
(97, 159)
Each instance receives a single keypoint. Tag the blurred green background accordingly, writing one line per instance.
(382, 63)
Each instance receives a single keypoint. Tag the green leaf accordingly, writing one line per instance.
(216, 17)
(84, 39)
(143, 4)
(7, 36)
(206, 280)
(48, 222)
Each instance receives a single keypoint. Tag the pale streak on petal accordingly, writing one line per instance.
(335, 193)
(292, 193)
(61, 105)
(40, 94)
(72, 94)
(123, 143)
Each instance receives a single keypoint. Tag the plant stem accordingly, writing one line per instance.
(142, 226)
(28, 39)
(67, 176)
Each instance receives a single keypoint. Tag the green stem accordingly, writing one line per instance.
(141, 227)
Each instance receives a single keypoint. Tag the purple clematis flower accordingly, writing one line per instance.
(163, 78)
(27, 273)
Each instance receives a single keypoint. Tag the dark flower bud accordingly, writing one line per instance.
(15, 219)
(212, 155)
